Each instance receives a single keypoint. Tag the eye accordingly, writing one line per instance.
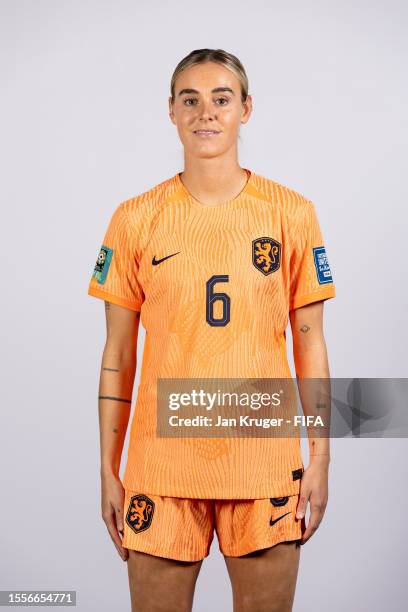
(222, 100)
(186, 100)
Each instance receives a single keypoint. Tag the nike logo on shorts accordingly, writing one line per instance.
(272, 522)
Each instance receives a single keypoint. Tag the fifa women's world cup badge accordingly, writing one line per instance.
(102, 264)
(140, 513)
(323, 272)
(266, 254)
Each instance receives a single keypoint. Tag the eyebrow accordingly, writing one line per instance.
(216, 90)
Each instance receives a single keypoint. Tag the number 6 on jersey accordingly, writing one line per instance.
(212, 297)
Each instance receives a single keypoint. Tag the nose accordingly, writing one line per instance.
(207, 111)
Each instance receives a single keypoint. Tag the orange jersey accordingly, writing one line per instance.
(171, 257)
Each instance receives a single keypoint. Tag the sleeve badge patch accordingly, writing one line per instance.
(102, 264)
(321, 262)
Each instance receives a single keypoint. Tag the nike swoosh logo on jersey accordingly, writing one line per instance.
(272, 522)
(157, 261)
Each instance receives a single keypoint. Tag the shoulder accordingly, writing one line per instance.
(290, 201)
(139, 209)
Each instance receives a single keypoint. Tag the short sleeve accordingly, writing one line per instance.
(115, 275)
(311, 277)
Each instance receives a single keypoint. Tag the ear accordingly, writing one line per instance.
(171, 111)
(247, 109)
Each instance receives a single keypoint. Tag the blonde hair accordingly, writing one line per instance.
(200, 56)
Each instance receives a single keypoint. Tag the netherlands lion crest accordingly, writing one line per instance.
(140, 513)
(279, 501)
(266, 254)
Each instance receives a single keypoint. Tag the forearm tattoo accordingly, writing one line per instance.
(116, 399)
(313, 453)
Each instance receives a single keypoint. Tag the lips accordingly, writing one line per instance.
(206, 132)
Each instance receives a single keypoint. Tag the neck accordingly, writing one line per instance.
(210, 180)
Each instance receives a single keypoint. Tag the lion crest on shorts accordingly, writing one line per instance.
(279, 501)
(140, 513)
(266, 254)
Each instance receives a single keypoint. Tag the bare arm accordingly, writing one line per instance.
(114, 404)
(116, 383)
(311, 361)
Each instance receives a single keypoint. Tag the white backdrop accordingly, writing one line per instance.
(85, 126)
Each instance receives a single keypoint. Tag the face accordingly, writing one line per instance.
(208, 110)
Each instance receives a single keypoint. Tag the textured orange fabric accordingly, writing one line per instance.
(183, 529)
(267, 245)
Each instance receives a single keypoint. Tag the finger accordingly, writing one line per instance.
(120, 528)
(312, 525)
(302, 504)
(119, 519)
(122, 552)
(113, 532)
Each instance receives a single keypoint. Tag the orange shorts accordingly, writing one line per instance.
(183, 529)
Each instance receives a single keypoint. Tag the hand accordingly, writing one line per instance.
(113, 495)
(313, 488)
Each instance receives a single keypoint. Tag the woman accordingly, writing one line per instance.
(215, 261)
